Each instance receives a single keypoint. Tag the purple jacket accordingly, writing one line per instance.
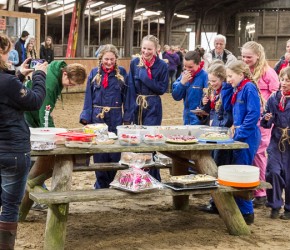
(173, 60)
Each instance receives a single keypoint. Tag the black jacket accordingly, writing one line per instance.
(20, 48)
(15, 98)
(47, 54)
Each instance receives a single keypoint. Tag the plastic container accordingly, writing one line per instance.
(215, 134)
(130, 158)
(243, 176)
(154, 139)
(97, 128)
(132, 129)
(194, 130)
(78, 140)
(162, 159)
(44, 138)
(129, 135)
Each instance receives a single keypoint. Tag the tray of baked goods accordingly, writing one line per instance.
(191, 181)
(215, 135)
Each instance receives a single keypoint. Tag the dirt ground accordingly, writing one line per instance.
(146, 224)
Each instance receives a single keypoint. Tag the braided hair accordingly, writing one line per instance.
(219, 71)
(108, 48)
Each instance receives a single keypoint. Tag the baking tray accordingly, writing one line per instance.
(189, 181)
(194, 184)
(172, 186)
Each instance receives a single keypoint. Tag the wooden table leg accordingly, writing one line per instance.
(225, 202)
(180, 167)
(230, 213)
(55, 231)
(40, 171)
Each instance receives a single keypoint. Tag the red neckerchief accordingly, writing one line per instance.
(212, 101)
(198, 70)
(148, 65)
(283, 65)
(238, 89)
(283, 100)
(105, 81)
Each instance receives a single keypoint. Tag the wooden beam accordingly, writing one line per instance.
(129, 23)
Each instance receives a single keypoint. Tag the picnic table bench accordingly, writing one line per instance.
(60, 196)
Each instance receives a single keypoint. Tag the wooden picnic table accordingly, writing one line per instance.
(200, 153)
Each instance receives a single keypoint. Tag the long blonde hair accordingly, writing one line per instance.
(261, 65)
(152, 39)
(241, 67)
(5, 46)
(108, 48)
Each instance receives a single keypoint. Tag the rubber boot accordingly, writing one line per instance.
(7, 235)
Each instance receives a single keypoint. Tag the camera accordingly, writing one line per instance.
(34, 62)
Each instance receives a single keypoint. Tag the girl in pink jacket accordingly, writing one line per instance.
(267, 80)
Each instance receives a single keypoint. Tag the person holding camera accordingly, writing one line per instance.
(15, 98)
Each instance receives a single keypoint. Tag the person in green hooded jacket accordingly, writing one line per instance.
(59, 75)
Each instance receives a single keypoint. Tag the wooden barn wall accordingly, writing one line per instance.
(272, 30)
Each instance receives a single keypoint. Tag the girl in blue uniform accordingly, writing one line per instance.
(147, 81)
(219, 106)
(277, 117)
(189, 86)
(217, 103)
(246, 113)
(104, 99)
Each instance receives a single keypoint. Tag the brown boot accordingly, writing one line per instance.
(7, 235)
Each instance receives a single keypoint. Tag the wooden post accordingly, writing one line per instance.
(55, 231)
(230, 213)
(205, 163)
(224, 202)
(40, 171)
(129, 27)
(180, 167)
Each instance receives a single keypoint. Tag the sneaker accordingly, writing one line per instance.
(259, 201)
(39, 207)
(249, 218)
(211, 209)
(275, 213)
(285, 215)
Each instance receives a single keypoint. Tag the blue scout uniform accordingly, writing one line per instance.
(191, 93)
(140, 85)
(146, 92)
(278, 171)
(222, 116)
(96, 98)
(246, 113)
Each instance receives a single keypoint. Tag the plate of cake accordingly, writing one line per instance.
(181, 139)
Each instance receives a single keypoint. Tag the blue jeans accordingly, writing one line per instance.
(14, 169)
